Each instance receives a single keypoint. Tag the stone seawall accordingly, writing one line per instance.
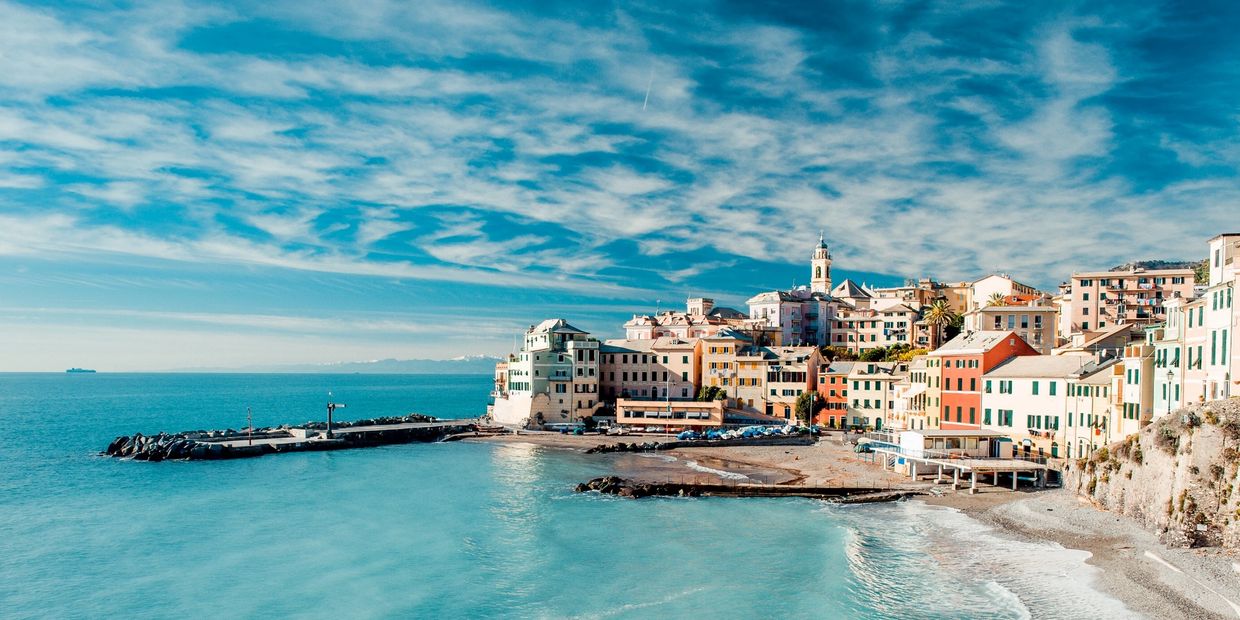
(622, 487)
(231, 444)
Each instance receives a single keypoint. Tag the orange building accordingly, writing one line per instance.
(833, 388)
(964, 360)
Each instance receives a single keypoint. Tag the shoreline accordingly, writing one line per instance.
(1132, 566)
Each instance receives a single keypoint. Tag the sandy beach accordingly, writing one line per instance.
(1151, 579)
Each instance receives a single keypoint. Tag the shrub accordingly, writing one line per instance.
(1216, 471)
(1093, 485)
(1211, 417)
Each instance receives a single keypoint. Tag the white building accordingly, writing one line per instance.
(553, 379)
(1026, 397)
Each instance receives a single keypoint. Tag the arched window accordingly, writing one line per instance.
(818, 271)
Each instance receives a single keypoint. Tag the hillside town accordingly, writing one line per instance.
(1049, 374)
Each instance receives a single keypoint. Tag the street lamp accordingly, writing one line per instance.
(331, 407)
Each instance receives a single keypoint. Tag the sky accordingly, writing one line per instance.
(227, 185)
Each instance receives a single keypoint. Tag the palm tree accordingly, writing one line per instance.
(938, 316)
(996, 299)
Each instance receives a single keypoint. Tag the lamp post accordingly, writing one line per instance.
(331, 407)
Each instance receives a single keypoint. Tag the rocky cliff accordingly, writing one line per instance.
(1177, 477)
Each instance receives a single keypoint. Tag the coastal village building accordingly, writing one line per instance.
(863, 322)
(701, 318)
(1134, 296)
(553, 379)
(801, 316)
(910, 397)
(984, 289)
(833, 388)
(1091, 406)
(1107, 342)
(1035, 324)
(1169, 355)
(871, 392)
(965, 359)
(663, 368)
(1220, 359)
(1136, 395)
(1026, 397)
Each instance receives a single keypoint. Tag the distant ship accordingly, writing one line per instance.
(77, 370)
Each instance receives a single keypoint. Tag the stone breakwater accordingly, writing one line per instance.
(231, 444)
(622, 487)
(655, 446)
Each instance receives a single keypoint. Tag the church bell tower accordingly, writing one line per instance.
(820, 266)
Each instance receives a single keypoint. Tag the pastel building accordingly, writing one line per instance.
(1035, 324)
(1221, 360)
(663, 368)
(965, 359)
(833, 388)
(801, 316)
(1092, 403)
(701, 318)
(553, 379)
(871, 392)
(863, 322)
(986, 288)
(1026, 397)
(1134, 296)
(910, 397)
(1137, 395)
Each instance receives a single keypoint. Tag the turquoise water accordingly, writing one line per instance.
(455, 530)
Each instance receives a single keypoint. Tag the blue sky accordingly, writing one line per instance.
(222, 185)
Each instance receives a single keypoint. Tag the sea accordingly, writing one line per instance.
(449, 530)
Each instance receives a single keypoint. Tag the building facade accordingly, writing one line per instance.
(553, 379)
(1135, 296)
(965, 359)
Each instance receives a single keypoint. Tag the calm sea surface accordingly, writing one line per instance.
(454, 530)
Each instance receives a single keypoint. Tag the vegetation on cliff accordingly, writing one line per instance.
(1177, 477)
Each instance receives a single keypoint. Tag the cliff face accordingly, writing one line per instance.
(1177, 477)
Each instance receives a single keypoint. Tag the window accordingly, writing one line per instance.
(986, 416)
(1084, 296)
(988, 387)
(1053, 384)
(1035, 388)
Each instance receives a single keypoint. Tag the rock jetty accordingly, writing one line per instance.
(622, 487)
(204, 445)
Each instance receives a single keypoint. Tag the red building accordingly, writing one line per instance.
(965, 359)
(833, 388)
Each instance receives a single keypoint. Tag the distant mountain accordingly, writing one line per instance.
(465, 365)
(1157, 264)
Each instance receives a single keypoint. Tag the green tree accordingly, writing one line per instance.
(711, 392)
(874, 355)
(938, 316)
(804, 413)
(1201, 273)
(838, 354)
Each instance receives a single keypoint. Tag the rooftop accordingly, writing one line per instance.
(969, 343)
(1049, 366)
